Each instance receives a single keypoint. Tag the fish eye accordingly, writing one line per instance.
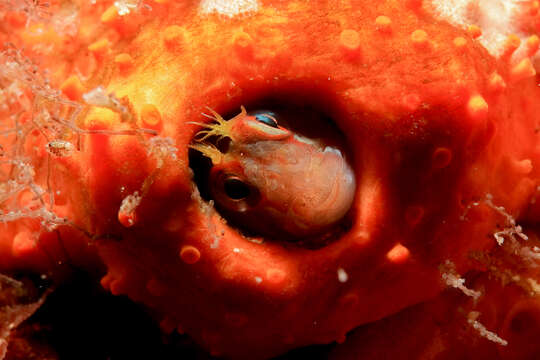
(232, 192)
(266, 117)
(235, 188)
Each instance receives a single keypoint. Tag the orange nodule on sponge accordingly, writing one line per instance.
(441, 158)
(474, 31)
(477, 108)
(511, 44)
(127, 219)
(496, 83)
(533, 43)
(523, 70)
(383, 23)
(349, 41)
(398, 254)
(123, 61)
(420, 39)
(101, 118)
(460, 43)
(72, 88)
(23, 244)
(110, 15)
(99, 48)
(190, 254)
(150, 117)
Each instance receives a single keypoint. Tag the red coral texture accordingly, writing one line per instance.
(444, 142)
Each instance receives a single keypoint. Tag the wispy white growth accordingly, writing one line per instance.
(230, 8)
(493, 16)
(463, 217)
(207, 210)
(452, 278)
(162, 148)
(24, 172)
(60, 148)
(22, 178)
(9, 281)
(531, 254)
(35, 10)
(512, 230)
(66, 19)
(24, 90)
(18, 72)
(535, 287)
(485, 333)
(496, 18)
(130, 203)
(124, 7)
(49, 220)
(342, 275)
(99, 97)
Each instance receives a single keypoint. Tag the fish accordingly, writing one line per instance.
(276, 182)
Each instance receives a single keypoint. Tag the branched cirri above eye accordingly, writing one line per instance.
(266, 117)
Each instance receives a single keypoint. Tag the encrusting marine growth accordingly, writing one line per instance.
(423, 115)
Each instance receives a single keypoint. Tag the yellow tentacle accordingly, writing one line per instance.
(210, 151)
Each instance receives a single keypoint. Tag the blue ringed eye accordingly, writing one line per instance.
(267, 118)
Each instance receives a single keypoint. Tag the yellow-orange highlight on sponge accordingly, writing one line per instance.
(101, 118)
(173, 36)
(242, 43)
